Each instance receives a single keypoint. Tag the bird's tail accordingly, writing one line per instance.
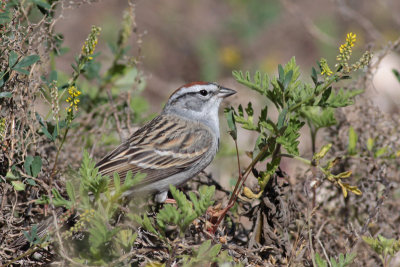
(45, 227)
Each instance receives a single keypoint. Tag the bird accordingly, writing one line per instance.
(170, 149)
(176, 145)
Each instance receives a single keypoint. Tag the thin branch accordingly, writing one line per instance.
(114, 109)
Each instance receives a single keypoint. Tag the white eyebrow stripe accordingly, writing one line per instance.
(194, 89)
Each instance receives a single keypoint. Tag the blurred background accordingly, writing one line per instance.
(187, 41)
(182, 41)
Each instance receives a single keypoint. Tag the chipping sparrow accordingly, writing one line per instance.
(170, 149)
(174, 146)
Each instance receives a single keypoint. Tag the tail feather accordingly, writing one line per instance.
(44, 227)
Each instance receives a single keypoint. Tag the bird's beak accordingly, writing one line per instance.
(225, 92)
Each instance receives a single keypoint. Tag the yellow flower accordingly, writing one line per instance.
(345, 49)
(73, 99)
(351, 39)
(325, 67)
(90, 43)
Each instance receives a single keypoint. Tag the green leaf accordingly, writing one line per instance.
(282, 118)
(288, 79)
(272, 166)
(26, 62)
(2, 78)
(146, 223)
(370, 143)
(36, 166)
(21, 71)
(248, 123)
(42, 3)
(229, 114)
(381, 151)
(5, 17)
(314, 76)
(71, 192)
(33, 165)
(59, 201)
(319, 261)
(204, 247)
(117, 181)
(325, 149)
(28, 164)
(319, 117)
(11, 176)
(281, 73)
(53, 77)
(353, 138)
(342, 98)
(12, 59)
(288, 139)
(260, 84)
(5, 94)
(350, 258)
(18, 185)
(397, 74)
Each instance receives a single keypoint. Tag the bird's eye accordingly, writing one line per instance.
(203, 92)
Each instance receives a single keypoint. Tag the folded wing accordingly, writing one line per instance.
(163, 147)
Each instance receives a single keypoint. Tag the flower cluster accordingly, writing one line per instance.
(73, 99)
(345, 49)
(126, 30)
(363, 61)
(55, 107)
(90, 43)
(80, 225)
(325, 70)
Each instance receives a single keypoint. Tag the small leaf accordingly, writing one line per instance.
(204, 247)
(5, 94)
(71, 192)
(26, 62)
(117, 181)
(18, 185)
(5, 17)
(229, 114)
(12, 59)
(21, 71)
(380, 152)
(31, 182)
(11, 176)
(344, 190)
(314, 76)
(282, 118)
(370, 144)
(288, 79)
(281, 73)
(397, 74)
(353, 138)
(346, 174)
(319, 261)
(350, 258)
(325, 149)
(213, 252)
(27, 165)
(42, 3)
(53, 76)
(36, 166)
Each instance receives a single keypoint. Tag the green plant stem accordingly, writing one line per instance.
(313, 133)
(58, 152)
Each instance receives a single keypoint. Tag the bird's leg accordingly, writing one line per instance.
(162, 197)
